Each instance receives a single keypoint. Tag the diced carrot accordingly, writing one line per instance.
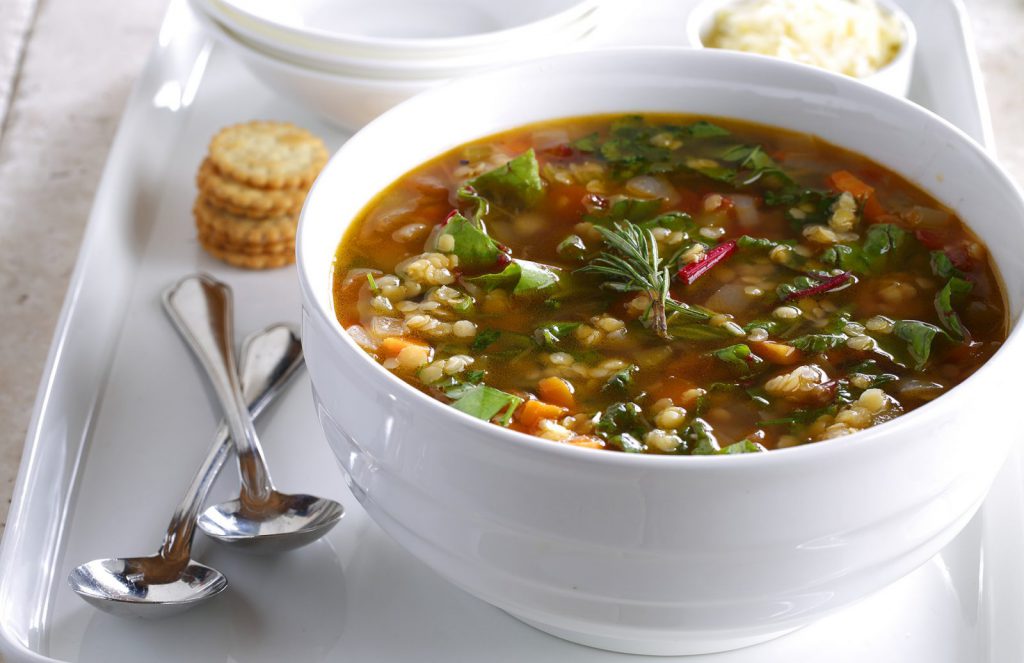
(844, 180)
(776, 353)
(392, 345)
(557, 391)
(531, 412)
(588, 441)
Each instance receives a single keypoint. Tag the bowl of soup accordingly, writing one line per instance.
(664, 351)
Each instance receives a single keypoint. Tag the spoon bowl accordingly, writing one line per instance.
(145, 586)
(284, 523)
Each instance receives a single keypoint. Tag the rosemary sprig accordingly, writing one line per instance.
(633, 264)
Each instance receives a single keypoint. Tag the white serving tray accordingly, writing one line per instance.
(123, 419)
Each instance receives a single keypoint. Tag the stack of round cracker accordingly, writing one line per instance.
(251, 187)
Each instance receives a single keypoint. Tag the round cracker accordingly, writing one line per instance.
(244, 200)
(239, 229)
(249, 261)
(222, 243)
(272, 155)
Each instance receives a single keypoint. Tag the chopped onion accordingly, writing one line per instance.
(383, 326)
(358, 273)
(926, 217)
(548, 138)
(746, 210)
(647, 186)
(361, 338)
(921, 390)
(730, 298)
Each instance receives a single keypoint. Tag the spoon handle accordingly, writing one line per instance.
(270, 358)
(201, 308)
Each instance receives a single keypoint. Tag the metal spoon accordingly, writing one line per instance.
(170, 582)
(261, 519)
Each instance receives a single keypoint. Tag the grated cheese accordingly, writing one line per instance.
(852, 37)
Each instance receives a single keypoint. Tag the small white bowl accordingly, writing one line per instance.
(661, 554)
(401, 28)
(893, 78)
(412, 67)
(347, 101)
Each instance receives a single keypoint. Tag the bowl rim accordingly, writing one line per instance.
(805, 453)
(704, 10)
(283, 67)
(400, 70)
(471, 43)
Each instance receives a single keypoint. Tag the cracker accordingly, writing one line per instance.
(207, 238)
(244, 200)
(272, 155)
(239, 229)
(247, 261)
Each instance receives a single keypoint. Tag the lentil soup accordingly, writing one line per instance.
(667, 284)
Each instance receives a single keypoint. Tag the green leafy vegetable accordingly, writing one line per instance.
(522, 277)
(956, 288)
(885, 248)
(871, 369)
(704, 129)
(739, 358)
(481, 206)
(506, 278)
(785, 290)
(485, 403)
(628, 443)
(741, 447)
(518, 182)
(553, 334)
(622, 380)
(803, 206)
(816, 343)
(635, 147)
(919, 336)
(700, 437)
(475, 249)
(942, 266)
(636, 210)
(534, 277)
(753, 164)
(674, 221)
(572, 248)
(484, 339)
(622, 417)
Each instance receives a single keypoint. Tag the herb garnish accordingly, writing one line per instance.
(633, 264)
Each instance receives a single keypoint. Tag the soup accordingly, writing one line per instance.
(667, 284)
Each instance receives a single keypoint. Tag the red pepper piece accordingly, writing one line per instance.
(828, 284)
(695, 270)
(561, 151)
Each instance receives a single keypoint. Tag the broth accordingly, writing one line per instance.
(667, 284)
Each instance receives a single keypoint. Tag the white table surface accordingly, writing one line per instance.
(66, 67)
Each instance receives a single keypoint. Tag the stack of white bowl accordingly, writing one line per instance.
(350, 60)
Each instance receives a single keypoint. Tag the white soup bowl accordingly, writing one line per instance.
(661, 554)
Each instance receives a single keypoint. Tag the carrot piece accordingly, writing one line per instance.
(531, 412)
(392, 345)
(557, 391)
(844, 180)
(776, 353)
(588, 441)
